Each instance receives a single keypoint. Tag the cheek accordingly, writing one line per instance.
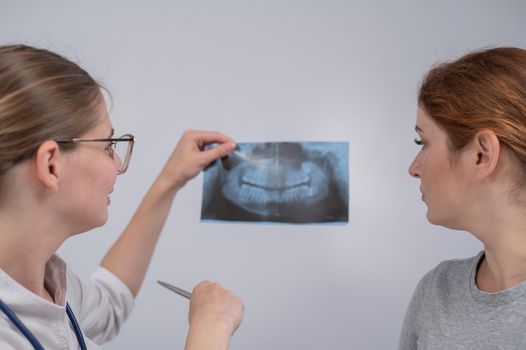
(429, 172)
(437, 172)
(104, 174)
(111, 177)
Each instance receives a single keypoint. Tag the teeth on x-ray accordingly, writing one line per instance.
(300, 182)
(277, 179)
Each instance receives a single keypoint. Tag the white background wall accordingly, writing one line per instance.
(273, 71)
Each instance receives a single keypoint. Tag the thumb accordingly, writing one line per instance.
(218, 152)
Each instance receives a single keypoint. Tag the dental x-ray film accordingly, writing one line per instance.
(290, 182)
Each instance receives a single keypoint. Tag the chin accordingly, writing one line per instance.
(81, 219)
(433, 220)
(450, 223)
(102, 220)
(98, 221)
(433, 217)
(86, 227)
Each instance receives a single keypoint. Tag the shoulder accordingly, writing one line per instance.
(10, 337)
(452, 270)
(448, 278)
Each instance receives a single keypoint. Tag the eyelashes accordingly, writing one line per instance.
(419, 142)
(110, 148)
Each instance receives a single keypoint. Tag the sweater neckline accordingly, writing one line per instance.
(493, 298)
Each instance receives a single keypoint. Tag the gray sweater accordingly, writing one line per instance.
(448, 311)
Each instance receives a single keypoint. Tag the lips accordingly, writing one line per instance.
(109, 200)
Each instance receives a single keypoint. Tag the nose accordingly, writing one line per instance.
(118, 163)
(414, 168)
(284, 153)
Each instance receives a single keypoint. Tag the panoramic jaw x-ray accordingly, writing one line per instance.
(294, 182)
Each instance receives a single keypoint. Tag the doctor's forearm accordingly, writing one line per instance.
(208, 336)
(130, 256)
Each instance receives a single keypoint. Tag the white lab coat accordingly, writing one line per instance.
(101, 304)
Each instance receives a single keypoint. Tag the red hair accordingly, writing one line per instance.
(481, 90)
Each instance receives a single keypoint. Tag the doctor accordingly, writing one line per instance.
(59, 161)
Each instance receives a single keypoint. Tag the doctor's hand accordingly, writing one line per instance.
(215, 314)
(212, 305)
(189, 157)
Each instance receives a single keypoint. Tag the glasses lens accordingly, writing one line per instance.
(121, 151)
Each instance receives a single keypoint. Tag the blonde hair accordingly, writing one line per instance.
(43, 96)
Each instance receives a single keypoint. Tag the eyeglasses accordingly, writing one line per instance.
(121, 146)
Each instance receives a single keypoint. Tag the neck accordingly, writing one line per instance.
(503, 233)
(31, 228)
(25, 248)
(498, 272)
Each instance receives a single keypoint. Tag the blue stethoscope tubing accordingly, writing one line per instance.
(29, 336)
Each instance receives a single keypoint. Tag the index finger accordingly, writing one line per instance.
(207, 137)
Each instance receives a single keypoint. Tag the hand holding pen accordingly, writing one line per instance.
(211, 304)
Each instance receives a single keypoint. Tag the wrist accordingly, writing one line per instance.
(213, 323)
(217, 324)
(208, 334)
(166, 184)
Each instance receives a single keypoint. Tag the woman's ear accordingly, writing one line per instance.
(47, 164)
(487, 148)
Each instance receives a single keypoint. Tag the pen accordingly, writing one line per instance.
(175, 289)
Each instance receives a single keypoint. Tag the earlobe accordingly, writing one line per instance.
(47, 165)
(487, 146)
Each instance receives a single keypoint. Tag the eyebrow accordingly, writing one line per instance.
(112, 132)
(418, 129)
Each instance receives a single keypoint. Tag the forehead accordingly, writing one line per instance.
(425, 124)
(428, 128)
(422, 118)
(103, 128)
